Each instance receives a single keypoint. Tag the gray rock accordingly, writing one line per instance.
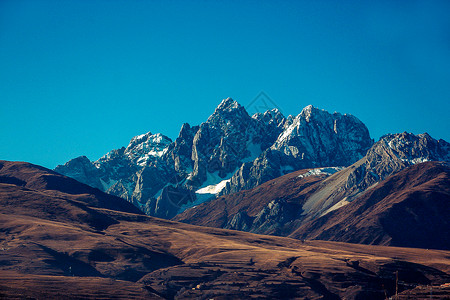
(230, 145)
(313, 139)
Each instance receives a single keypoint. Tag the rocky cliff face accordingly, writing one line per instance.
(131, 173)
(320, 203)
(315, 138)
(390, 155)
(231, 151)
(393, 153)
(408, 209)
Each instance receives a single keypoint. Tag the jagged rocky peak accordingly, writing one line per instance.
(111, 155)
(185, 131)
(309, 111)
(314, 114)
(312, 139)
(327, 139)
(222, 141)
(228, 105)
(116, 166)
(391, 154)
(75, 165)
(147, 147)
(269, 117)
(231, 143)
(81, 169)
(413, 149)
(394, 152)
(179, 153)
(271, 124)
(229, 113)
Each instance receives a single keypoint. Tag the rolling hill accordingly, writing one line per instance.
(62, 239)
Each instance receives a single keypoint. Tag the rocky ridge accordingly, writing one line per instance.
(391, 154)
(295, 204)
(313, 139)
(407, 209)
(229, 152)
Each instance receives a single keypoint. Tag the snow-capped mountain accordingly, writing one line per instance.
(391, 154)
(322, 202)
(147, 148)
(121, 172)
(314, 138)
(229, 152)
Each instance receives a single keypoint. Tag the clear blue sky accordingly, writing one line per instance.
(83, 77)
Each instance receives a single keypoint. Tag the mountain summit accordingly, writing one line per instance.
(229, 152)
(312, 139)
(397, 195)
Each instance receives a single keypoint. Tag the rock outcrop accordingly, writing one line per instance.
(231, 151)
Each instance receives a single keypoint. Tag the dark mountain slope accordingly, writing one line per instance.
(37, 178)
(229, 152)
(48, 251)
(284, 205)
(411, 208)
(240, 210)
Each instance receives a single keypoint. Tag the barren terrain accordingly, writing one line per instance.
(56, 243)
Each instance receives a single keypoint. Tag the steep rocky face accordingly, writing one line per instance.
(147, 148)
(320, 138)
(396, 151)
(306, 199)
(179, 153)
(391, 154)
(408, 209)
(315, 138)
(204, 156)
(231, 151)
(229, 136)
(83, 170)
(132, 173)
(273, 123)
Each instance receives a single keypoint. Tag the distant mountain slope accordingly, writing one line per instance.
(247, 210)
(410, 209)
(313, 139)
(33, 180)
(231, 151)
(285, 204)
(60, 241)
(391, 154)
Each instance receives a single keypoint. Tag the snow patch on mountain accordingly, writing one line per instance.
(414, 161)
(147, 147)
(321, 171)
(206, 193)
(213, 189)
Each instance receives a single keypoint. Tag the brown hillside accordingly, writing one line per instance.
(410, 208)
(56, 244)
(218, 212)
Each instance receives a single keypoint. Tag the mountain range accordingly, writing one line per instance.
(261, 206)
(230, 152)
(408, 209)
(312, 176)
